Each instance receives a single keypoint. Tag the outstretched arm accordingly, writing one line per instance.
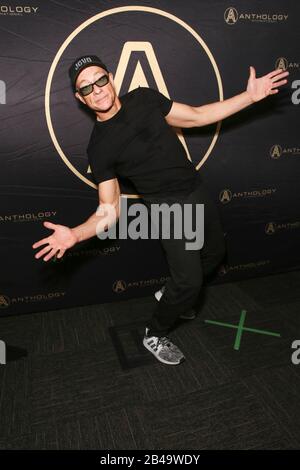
(64, 237)
(183, 115)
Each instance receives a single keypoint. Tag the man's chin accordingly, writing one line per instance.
(103, 107)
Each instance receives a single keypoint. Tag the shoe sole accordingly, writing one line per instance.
(183, 317)
(163, 360)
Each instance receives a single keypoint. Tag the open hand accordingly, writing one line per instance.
(56, 244)
(260, 88)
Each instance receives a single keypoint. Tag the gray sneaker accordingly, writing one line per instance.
(163, 349)
(190, 315)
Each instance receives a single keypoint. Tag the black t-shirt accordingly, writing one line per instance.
(138, 144)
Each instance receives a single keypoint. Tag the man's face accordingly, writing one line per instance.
(101, 98)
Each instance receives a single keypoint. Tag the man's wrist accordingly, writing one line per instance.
(249, 98)
(77, 234)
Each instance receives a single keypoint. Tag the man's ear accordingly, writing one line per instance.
(79, 97)
(111, 78)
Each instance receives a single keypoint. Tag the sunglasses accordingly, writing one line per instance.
(87, 89)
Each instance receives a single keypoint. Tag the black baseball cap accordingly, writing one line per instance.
(82, 63)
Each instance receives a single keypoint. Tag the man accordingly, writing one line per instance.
(132, 138)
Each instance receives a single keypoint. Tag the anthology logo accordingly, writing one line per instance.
(119, 286)
(4, 301)
(231, 16)
(28, 217)
(19, 10)
(277, 151)
(226, 195)
(225, 269)
(272, 227)
(88, 253)
(284, 64)
(138, 64)
(281, 63)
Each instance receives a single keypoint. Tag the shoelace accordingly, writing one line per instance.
(164, 341)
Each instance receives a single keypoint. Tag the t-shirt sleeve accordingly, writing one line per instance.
(101, 169)
(161, 100)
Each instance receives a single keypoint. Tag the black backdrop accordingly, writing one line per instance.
(195, 51)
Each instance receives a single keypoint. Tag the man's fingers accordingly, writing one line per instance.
(51, 254)
(50, 251)
(281, 75)
(279, 83)
(274, 73)
(252, 72)
(60, 253)
(44, 240)
(278, 72)
(50, 225)
(42, 252)
(40, 242)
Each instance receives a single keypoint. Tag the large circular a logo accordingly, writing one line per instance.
(70, 135)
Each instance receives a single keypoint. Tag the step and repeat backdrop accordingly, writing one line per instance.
(195, 52)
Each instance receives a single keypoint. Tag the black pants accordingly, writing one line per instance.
(188, 267)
